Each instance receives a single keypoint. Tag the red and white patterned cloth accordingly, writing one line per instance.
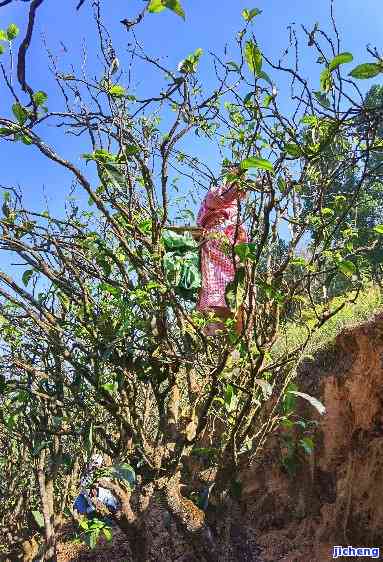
(218, 217)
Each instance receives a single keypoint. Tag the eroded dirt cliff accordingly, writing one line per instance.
(336, 495)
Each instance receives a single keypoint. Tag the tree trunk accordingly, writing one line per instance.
(47, 497)
(192, 519)
(131, 522)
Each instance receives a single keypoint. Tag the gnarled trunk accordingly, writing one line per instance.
(191, 518)
(130, 520)
(47, 497)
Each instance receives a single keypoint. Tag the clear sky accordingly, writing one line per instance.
(210, 24)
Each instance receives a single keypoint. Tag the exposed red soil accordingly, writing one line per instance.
(336, 496)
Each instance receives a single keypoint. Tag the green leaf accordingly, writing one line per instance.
(264, 76)
(26, 140)
(11, 421)
(259, 163)
(157, 6)
(20, 113)
(340, 200)
(287, 424)
(245, 250)
(131, 149)
(113, 175)
(308, 444)
(145, 226)
(125, 472)
(289, 400)
(282, 184)
(248, 15)
(110, 387)
(267, 99)
(207, 452)
(4, 131)
(230, 398)
(105, 264)
(90, 539)
(253, 57)
(107, 533)
(39, 518)
(12, 32)
(235, 290)
(230, 296)
(378, 228)
(233, 65)
(99, 155)
(176, 7)
(322, 99)
(83, 524)
(117, 91)
(190, 63)
(115, 291)
(347, 268)
(3, 35)
(313, 401)
(299, 261)
(2, 49)
(66, 460)
(293, 149)
(342, 58)
(38, 447)
(272, 293)
(366, 70)
(88, 442)
(242, 250)
(27, 276)
(325, 80)
(248, 98)
(40, 98)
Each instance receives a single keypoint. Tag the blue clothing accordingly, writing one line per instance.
(107, 498)
(82, 505)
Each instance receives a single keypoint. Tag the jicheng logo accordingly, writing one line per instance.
(339, 551)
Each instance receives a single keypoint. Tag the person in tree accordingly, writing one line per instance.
(218, 220)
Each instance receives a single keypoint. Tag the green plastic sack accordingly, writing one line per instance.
(174, 242)
(182, 263)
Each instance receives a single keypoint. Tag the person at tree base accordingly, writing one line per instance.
(83, 503)
(220, 229)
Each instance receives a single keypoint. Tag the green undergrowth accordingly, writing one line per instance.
(369, 302)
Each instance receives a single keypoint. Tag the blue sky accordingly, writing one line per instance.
(209, 25)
